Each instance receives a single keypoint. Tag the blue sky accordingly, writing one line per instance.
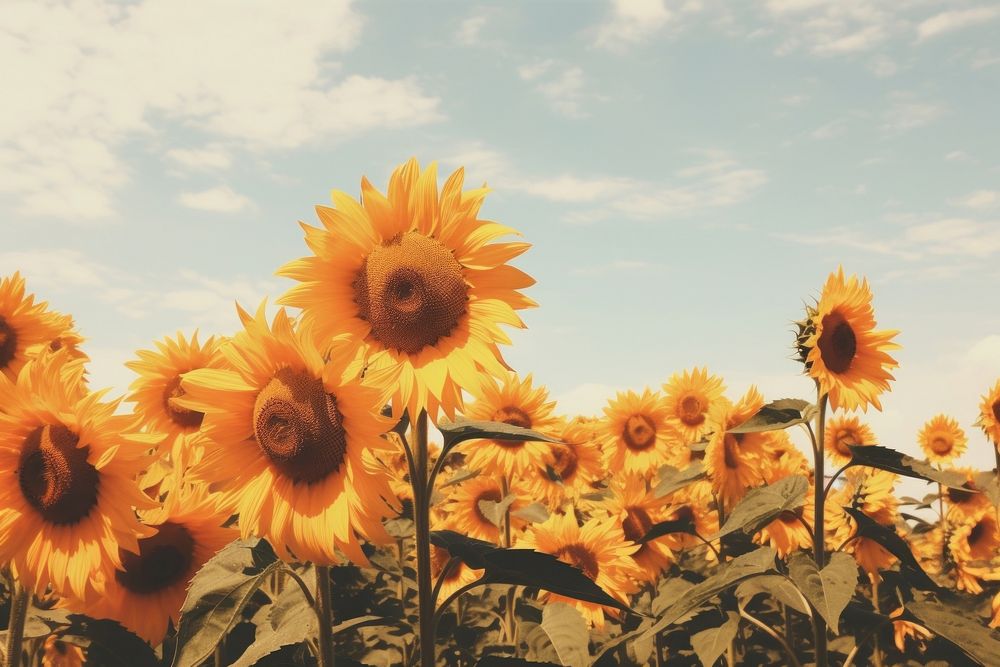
(688, 172)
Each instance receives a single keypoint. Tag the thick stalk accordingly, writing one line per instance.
(511, 620)
(659, 650)
(422, 529)
(324, 613)
(15, 627)
(819, 533)
(877, 655)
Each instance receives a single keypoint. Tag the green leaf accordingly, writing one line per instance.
(710, 644)
(672, 479)
(774, 586)
(988, 483)
(778, 415)
(762, 505)
(658, 530)
(462, 475)
(567, 630)
(217, 594)
(757, 562)
(535, 513)
(494, 511)
(883, 458)
(460, 430)
(291, 620)
(894, 544)
(669, 590)
(828, 590)
(108, 643)
(958, 626)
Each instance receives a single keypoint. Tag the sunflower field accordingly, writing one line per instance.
(356, 477)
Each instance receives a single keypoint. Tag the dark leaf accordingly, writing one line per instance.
(894, 544)
(710, 644)
(469, 550)
(658, 530)
(108, 643)
(958, 626)
(504, 661)
(762, 505)
(828, 590)
(672, 479)
(461, 430)
(778, 415)
(883, 458)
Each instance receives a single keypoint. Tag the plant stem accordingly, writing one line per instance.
(819, 533)
(511, 620)
(773, 633)
(877, 655)
(659, 650)
(15, 627)
(324, 613)
(422, 530)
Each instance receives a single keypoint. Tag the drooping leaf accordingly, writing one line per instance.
(726, 576)
(828, 590)
(894, 544)
(290, 620)
(883, 458)
(960, 627)
(535, 513)
(41, 622)
(494, 511)
(774, 586)
(469, 550)
(778, 415)
(108, 643)
(568, 633)
(658, 530)
(710, 644)
(762, 505)
(672, 479)
(217, 594)
(458, 431)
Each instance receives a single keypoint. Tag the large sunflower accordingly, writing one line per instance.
(571, 468)
(871, 491)
(414, 278)
(638, 510)
(989, 415)
(792, 530)
(844, 431)
(967, 502)
(841, 349)
(693, 504)
(146, 594)
(689, 398)
(69, 466)
(24, 324)
(942, 439)
(974, 545)
(598, 548)
(637, 433)
(465, 513)
(514, 402)
(292, 442)
(735, 461)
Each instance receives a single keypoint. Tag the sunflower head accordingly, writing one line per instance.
(569, 469)
(840, 347)
(989, 415)
(689, 398)
(735, 462)
(841, 433)
(416, 280)
(942, 439)
(26, 327)
(638, 435)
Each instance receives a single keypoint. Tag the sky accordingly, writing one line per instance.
(688, 172)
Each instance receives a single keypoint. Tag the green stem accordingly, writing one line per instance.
(819, 533)
(422, 530)
(511, 619)
(659, 650)
(324, 613)
(877, 656)
(15, 627)
(773, 633)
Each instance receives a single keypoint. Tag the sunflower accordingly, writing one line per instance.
(24, 325)
(973, 545)
(517, 403)
(638, 510)
(694, 504)
(734, 460)
(414, 278)
(637, 434)
(792, 530)
(68, 338)
(70, 465)
(843, 431)
(465, 513)
(146, 594)
(293, 441)
(571, 468)
(871, 491)
(965, 503)
(989, 415)
(840, 347)
(903, 630)
(942, 439)
(598, 548)
(782, 458)
(57, 653)
(458, 575)
(689, 398)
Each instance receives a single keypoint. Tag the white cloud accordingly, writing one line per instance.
(979, 200)
(795, 100)
(831, 130)
(469, 29)
(883, 67)
(906, 113)
(87, 77)
(221, 199)
(831, 28)
(57, 270)
(561, 85)
(957, 156)
(958, 19)
(209, 157)
(631, 21)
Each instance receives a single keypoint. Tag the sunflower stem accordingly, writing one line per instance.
(511, 619)
(819, 547)
(15, 627)
(877, 654)
(324, 612)
(422, 530)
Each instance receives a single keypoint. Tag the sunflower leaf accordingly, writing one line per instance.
(710, 644)
(291, 620)
(672, 479)
(894, 544)
(108, 643)
(460, 430)
(217, 594)
(775, 586)
(762, 505)
(494, 511)
(962, 628)
(658, 530)
(828, 590)
(778, 415)
(883, 458)
(567, 631)
(535, 513)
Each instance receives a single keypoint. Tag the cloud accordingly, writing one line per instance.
(210, 157)
(906, 113)
(631, 21)
(221, 199)
(957, 156)
(561, 85)
(958, 19)
(831, 28)
(91, 76)
(469, 29)
(831, 130)
(57, 270)
(979, 200)
(883, 67)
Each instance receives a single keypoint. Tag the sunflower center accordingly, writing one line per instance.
(683, 513)
(940, 445)
(977, 533)
(8, 343)
(958, 496)
(580, 557)
(412, 292)
(298, 425)
(731, 450)
(55, 477)
(163, 560)
(514, 416)
(837, 343)
(996, 410)
(843, 440)
(565, 461)
(639, 432)
(636, 524)
(692, 412)
(183, 417)
(492, 495)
